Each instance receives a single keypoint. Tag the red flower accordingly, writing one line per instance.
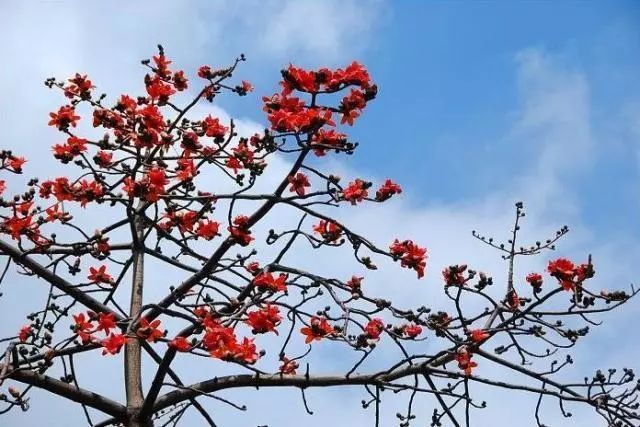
(14, 163)
(318, 328)
(356, 191)
(563, 270)
(264, 320)
(180, 344)
(180, 81)
(387, 190)
(106, 322)
(65, 116)
(478, 335)
(126, 104)
(240, 230)
(103, 159)
(253, 267)
(112, 344)
(324, 140)
(25, 332)
(463, 357)
(79, 86)
(355, 282)
(162, 65)
(411, 255)
(246, 351)
(205, 72)
(453, 275)
(535, 280)
(3, 186)
(329, 230)
(82, 327)
(288, 366)
(207, 229)
(513, 300)
(268, 282)
(246, 86)
(159, 90)
(298, 183)
(412, 330)
(374, 328)
(99, 275)
(149, 330)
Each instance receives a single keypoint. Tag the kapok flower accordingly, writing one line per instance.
(535, 280)
(266, 281)
(65, 117)
(318, 328)
(387, 190)
(264, 320)
(180, 344)
(82, 327)
(149, 330)
(355, 283)
(207, 229)
(478, 335)
(112, 344)
(99, 275)
(288, 366)
(356, 191)
(298, 183)
(463, 357)
(411, 255)
(374, 328)
(412, 330)
(106, 322)
(25, 332)
(453, 275)
(329, 230)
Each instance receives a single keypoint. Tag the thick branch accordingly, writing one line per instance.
(69, 391)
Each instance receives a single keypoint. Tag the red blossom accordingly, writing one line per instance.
(318, 328)
(112, 344)
(374, 328)
(25, 332)
(478, 335)
(298, 183)
(412, 330)
(82, 327)
(410, 255)
(268, 282)
(180, 344)
(454, 275)
(356, 191)
(355, 283)
(99, 275)
(240, 230)
(65, 117)
(149, 330)
(388, 189)
(180, 82)
(207, 229)
(106, 322)
(463, 357)
(264, 320)
(288, 366)
(535, 280)
(329, 230)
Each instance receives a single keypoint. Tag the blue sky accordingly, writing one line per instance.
(481, 104)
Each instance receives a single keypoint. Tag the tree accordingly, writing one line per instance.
(161, 174)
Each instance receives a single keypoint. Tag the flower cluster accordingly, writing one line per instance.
(569, 275)
(410, 255)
